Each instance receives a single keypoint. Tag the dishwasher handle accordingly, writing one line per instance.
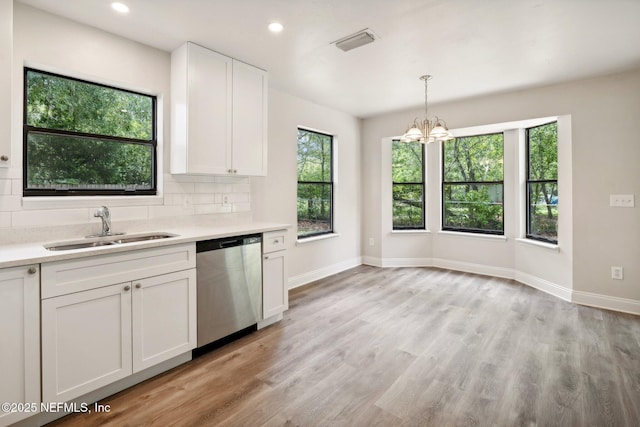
(227, 242)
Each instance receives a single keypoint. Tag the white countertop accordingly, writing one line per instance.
(18, 254)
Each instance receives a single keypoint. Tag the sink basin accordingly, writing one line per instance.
(105, 241)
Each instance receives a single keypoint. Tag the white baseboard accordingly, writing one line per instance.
(544, 285)
(372, 261)
(624, 305)
(323, 272)
(407, 262)
(487, 270)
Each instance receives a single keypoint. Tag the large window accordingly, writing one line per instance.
(407, 172)
(82, 138)
(315, 183)
(472, 186)
(542, 182)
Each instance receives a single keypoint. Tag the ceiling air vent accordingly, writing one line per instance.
(353, 41)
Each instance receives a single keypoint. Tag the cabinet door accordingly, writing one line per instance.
(275, 291)
(164, 318)
(209, 111)
(6, 56)
(86, 341)
(20, 335)
(250, 87)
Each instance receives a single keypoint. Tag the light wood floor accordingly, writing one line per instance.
(406, 346)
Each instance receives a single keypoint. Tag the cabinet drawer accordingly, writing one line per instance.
(273, 241)
(64, 277)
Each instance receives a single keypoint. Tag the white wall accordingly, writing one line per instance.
(602, 159)
(56, 44)
(274, 197)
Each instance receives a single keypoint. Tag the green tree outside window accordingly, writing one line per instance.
(473, 176)
(407, 170)
(542, 182)
(315, 183)
(87, 138)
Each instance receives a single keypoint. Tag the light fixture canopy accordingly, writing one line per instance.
(427, 130)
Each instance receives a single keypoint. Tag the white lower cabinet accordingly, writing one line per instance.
(94, 337)
(20, 342)
(275, 292)
(86, 341)
(164, 318)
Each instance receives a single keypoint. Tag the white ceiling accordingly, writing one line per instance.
(471, 47)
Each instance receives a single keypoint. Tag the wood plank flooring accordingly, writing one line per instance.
(405, 347)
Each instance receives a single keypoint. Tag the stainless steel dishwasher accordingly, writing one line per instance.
(229, 281)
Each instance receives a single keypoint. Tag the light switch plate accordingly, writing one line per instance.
(622, 200)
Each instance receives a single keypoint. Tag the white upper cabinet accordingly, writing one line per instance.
(6, 55)
(218, 114)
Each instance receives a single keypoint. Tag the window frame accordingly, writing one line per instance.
(331, 184)
(27, 129)
(445, 183)
(529, 181)
(422, 183)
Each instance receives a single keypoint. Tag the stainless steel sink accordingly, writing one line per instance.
(105, 241)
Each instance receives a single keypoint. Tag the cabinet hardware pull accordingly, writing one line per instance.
(4, 157)
(266, 257)
(32, 270)
(126, 288)
(138, 285)
(276, 241)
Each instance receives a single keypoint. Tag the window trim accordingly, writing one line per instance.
(331, 184)
(27, 129)
(424, 191)
(528, 181)
(444, 183)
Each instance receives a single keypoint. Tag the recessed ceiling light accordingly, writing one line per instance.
(120, 7)
(275, 27)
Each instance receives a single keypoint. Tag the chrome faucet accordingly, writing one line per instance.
(104, 214)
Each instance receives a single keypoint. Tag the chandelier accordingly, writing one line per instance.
(427, 131)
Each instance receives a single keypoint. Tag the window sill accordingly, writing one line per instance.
(496, 237)
(409, 232)
(548, 246)
(89, 201)
(316, 238)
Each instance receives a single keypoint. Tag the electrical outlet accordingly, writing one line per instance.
(617, 273)
(622, 200)
(371, 241)
(225, 200)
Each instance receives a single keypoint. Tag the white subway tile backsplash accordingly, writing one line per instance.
(16, 187)
(212, 209)
(241, 188)
(178, 187)
(123, 213)
(238, 197)
(10, 203)
(241, 207)
(173, 210)
(203, 199)
(181, 196)
(5, 219)
(5, 186)
(49, 217)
